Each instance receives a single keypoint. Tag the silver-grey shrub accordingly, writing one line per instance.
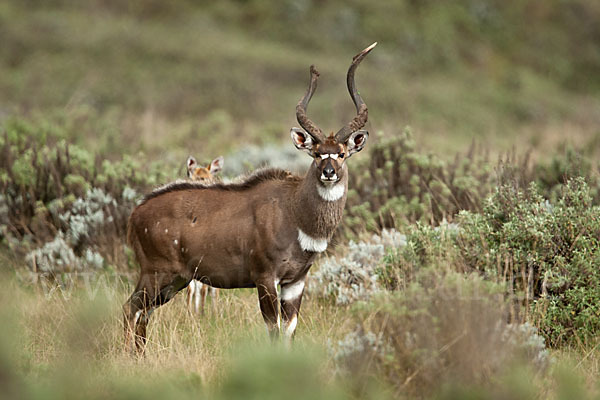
(87, 215)
(57, 256)
(355, 275)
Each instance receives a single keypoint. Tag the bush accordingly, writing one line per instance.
(548, 253)
(63, 205)
(445, 328)
(545, 253)
(356, 275)
(395, 185)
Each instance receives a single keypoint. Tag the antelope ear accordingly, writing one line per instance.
(216, 165)
(191, 165)
(301, 139)
(356, 142)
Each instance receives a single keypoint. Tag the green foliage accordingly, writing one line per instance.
(545, 253)
(135, 82)
(445, 328)
(548, 252)
(270, 372)
(397, 185)
(41, 182)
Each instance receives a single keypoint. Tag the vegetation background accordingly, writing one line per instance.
(469, 254)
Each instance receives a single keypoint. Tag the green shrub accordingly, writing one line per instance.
(546, 253)
(445, 328)
(51, 188)
(396, 185)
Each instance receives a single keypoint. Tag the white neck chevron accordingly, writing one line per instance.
(331, 193)
(308, 243)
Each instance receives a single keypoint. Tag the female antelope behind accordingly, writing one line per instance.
(263, 231)
(196, 290)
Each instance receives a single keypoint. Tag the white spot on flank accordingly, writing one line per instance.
(166, 231)
(292, 292)
(183, 249)
(291, 327)
(332, 192)
(308, 243)
(175, 242)
(145, 230)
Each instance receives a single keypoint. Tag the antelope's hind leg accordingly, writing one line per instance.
(193, 296)
(137, 304)
(202, 297)
(152, 291)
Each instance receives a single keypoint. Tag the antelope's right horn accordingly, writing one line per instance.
(303, 119)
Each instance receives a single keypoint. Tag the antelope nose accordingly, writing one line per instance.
(328, 172)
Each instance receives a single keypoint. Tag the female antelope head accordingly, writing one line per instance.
(330, 153)
(199, 173)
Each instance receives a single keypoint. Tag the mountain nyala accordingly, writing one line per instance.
(261, 231)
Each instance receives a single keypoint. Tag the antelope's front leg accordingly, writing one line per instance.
(267, 297)
(291, 298)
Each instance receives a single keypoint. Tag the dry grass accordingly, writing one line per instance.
(69, 343)
(57, 324)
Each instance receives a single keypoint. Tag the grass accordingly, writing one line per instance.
(56, 328)
(69, 343)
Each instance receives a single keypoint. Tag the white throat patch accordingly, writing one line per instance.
(331, 193)
(308, 243)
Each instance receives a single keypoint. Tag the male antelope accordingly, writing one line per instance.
(261, 232)
(196, 290)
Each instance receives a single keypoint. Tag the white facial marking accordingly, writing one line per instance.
(291, 327)
(324, 156)
(331, 192)
(308, 243)
(333, 179)
(334, 156)
(292, 292)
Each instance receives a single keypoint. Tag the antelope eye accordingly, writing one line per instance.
(342, 155)
(318, 155)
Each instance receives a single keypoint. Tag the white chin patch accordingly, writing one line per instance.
(331, 192)
(308, 243)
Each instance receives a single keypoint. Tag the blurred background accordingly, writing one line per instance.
(466, 263)
(170, 78)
